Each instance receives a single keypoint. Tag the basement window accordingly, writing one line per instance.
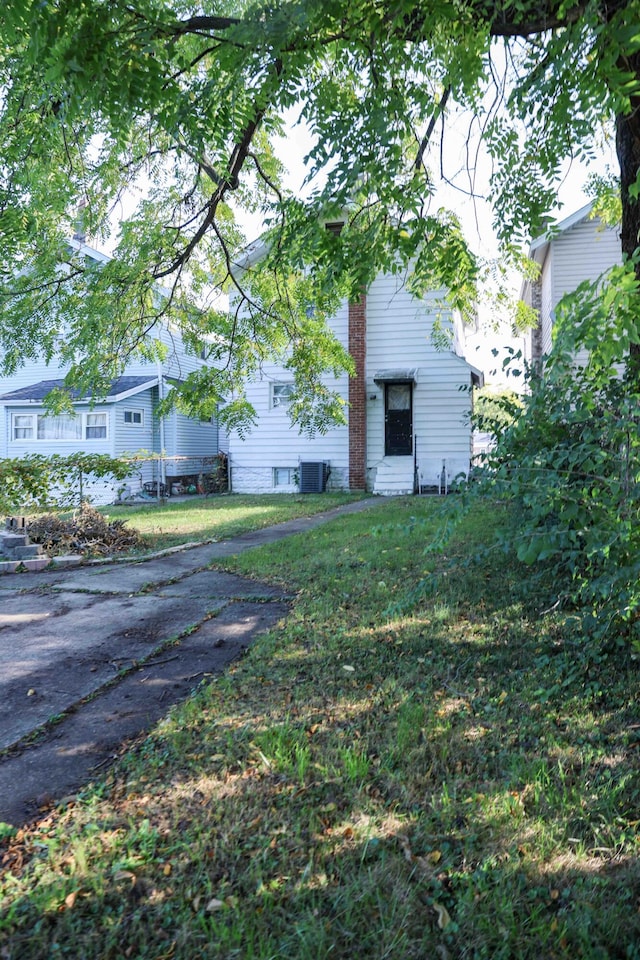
(284, 476)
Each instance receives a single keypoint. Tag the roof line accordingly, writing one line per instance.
(562, 225)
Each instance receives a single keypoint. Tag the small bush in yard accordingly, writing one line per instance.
(88, 531)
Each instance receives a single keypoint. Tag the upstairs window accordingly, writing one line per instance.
(281, 394)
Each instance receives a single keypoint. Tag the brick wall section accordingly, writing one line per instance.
(358, 395)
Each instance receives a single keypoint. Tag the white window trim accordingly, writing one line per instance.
(280, 400)
(292, 478)
(133, 423)
(36, 439)
(31, 426)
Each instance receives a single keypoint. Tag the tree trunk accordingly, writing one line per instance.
(628, 149)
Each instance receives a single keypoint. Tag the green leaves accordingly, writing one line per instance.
(36, 481)
(161, 124)
(569, 462)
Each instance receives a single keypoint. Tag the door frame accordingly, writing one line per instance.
(407, 448)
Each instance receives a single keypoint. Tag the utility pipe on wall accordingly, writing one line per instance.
(162, 472)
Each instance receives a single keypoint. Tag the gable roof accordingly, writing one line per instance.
(120, 389)
(540, 246)
(544, 239)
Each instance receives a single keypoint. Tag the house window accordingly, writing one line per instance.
(281, 393)
(85, 426)
(133, 417)
(95, 426)
(22, 427)
(284, 476)
(63, 427)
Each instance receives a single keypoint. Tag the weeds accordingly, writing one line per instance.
(452, 782)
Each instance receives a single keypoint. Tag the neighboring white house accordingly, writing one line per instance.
(124, 421)
(408, 407)
(578, 248)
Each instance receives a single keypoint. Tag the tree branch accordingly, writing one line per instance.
(434, 119)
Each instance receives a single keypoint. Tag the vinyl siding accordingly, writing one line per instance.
(583, 252)
(399, 335)
(546, 306)
(178, 363)
(96, 490)
(188, 443)
(130, 438)
(274, 442)
(20, 448)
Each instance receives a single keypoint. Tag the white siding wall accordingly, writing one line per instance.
(183, 436)
(36, 370)
(546, 305)
(273, 442)
(187, 442)
(132, 438)
(95, 489)
(20, 448)
(128, 437)
(399, 330)
(582, 252)
(177, 364)
(187, 437)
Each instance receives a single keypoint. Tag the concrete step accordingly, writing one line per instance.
(27, 552)
(9, 541)
(394, 477)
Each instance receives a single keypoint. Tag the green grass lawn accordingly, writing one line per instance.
(219, 517)
(450, 779)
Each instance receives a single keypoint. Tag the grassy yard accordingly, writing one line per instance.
(218, 517)
(452, 779)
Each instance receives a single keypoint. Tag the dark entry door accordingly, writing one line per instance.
(398, 420)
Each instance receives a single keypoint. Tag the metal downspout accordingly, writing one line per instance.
(162, 471)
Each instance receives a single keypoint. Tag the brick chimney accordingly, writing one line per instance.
(358, 395)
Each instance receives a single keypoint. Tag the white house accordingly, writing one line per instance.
(124, 421)
(578, 248)
(408, 407)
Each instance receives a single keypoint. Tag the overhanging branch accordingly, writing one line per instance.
(434, 119)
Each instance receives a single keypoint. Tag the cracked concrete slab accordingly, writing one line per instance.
(78, 748)
(68, 645)
(66, 636)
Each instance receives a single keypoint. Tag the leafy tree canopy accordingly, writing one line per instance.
(495, 410)
(165, 115)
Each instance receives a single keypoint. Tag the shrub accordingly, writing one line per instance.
(569, 463)
(38, 482)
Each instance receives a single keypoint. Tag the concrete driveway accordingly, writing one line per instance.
(92, 656)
